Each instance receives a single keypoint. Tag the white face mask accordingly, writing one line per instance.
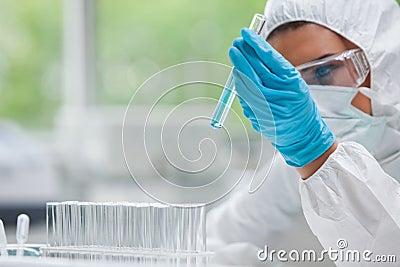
(346, 121)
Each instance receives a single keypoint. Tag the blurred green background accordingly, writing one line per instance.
(30, 59)
(134, 39)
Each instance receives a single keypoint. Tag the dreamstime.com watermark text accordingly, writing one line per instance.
(339, 254)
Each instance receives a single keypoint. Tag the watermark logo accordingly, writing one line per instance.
(339, 254)
(342, 244)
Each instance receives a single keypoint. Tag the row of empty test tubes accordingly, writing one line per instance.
(123, 225)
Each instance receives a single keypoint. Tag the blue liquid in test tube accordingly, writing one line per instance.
(229, 92)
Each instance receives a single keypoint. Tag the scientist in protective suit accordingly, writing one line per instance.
(324, 89)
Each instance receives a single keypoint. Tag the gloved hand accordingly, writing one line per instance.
(277, 101)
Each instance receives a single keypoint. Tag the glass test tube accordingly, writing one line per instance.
(228, 94)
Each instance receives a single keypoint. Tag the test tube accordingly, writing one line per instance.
(3, 241)
(228, 94)
(22, 232)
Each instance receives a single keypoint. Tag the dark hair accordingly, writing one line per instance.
(288, 26)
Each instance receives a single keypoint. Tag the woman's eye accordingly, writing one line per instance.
(324, 74)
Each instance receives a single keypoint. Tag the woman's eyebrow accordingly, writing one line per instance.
(319, 58)
(324, 56)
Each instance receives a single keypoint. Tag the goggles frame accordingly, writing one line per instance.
(356, 56)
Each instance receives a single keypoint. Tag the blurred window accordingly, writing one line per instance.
(30, 61)
(136, 39)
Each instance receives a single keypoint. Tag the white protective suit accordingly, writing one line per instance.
(353, 195)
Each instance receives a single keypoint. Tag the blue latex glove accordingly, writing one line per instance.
(277, 101)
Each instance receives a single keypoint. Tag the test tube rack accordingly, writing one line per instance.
(127, 232)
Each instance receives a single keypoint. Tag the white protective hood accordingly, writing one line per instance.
(374, 26)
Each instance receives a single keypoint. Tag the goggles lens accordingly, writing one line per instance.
(349, 68)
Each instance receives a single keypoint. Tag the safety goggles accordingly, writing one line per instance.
(349, 68)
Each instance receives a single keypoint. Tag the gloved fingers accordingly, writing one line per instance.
(261, 97)
(246, 106)
(268, 79)
(244, 87)
(251, 85)
(255, 105)
(249, 91)
(248, 113)
(274, 86)
(240, 63)
(250, 55)
(266, 94)
(248, 84)
(265, 128)
(269, 56)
